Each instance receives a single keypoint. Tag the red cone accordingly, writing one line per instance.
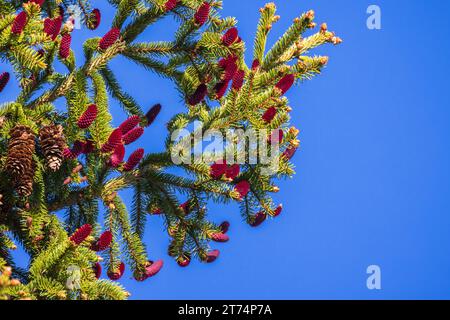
(103, 242)
(258, 219)
(278, 210)
(157, 211)
(212, 256)
(290, 152)
(225, 62)
(255, 64)
(154, 268)
(133, 135)
(232, 171)
(114, 140)
(81, 234)
(129, 124)
(88, 147)
(185, 207)
(276, 137)
(152, 114)
(117, 156)
(219, 237)
(94, 19)
(19, 23)
(183, 261)
(64, 49)
(134, 160)
(230, 37)
(285, 83)
(198, 95)
(230, 70)
(202, 14)
(170, 5)
(52, 27)
(109, 39)
(238, 80)
(242, 188)
(39, 2)
(217, 170)
(116, 275)
(76, 150)
(224, 226)
(221, 89)
(97, 270)
(269, 114)
(4, 79)
(88, 117)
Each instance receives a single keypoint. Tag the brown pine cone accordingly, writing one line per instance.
(52, 143)
(19, 163)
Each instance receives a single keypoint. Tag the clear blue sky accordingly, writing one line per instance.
(372, 183)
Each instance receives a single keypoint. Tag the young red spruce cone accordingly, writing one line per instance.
(134, 160)
(170, 5)
(81, 234)
(109, 39)
(152, 114)
(52, 27)
(88, 117)
(103, 242)
(202, 14)
(269, 114)
(19, 23)
(114, 140)
(285, 83)
(94, 19)
(4, 79)
(198, 95)
(133, 135)
(230, 37)
(64, 49)
(116, 274)
(129, 124)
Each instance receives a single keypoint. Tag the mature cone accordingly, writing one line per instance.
(19, 163)
(52, 144)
